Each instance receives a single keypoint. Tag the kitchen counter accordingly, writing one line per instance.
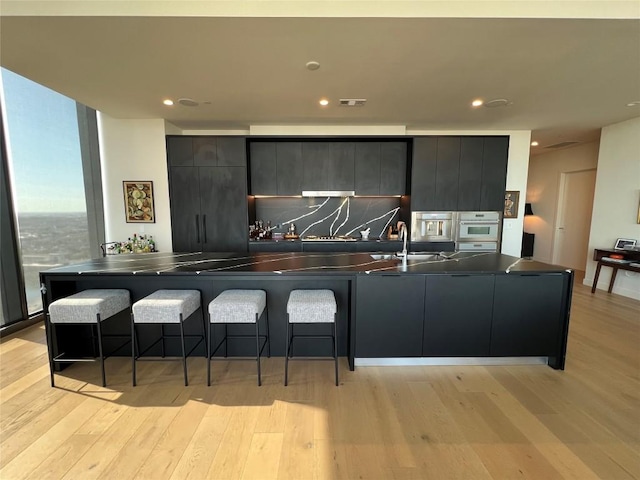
(469, 305)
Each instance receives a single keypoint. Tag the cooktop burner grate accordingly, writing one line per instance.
(328, 238)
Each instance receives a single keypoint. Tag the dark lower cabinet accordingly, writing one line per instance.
(390, 312)
(527, 314)
(457, 318)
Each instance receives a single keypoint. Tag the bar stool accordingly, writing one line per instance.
(89, 307)
(311, 306)
(165, 307)
(238, 307)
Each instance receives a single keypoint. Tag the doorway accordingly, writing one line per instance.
(573, 219)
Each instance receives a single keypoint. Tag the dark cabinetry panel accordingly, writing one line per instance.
(423, 173)
(289, 168)
(184, 187)
(527, 314)
(459, 173)
(341, 169)
(470, 172)
(315, 161)
(208, 197)
(393, 168)
(367, 168)
(390, 312)
(494, 173)
(458, 311)
(263, 168)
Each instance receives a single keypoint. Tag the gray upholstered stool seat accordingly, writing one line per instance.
(164, 307)
(238, 307)
(308, 307)
(92, 307)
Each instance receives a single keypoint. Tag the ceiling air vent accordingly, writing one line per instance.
(561, 145)
(352, 102)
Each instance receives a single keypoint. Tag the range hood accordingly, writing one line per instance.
(328, 193)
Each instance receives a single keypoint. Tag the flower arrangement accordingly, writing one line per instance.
(137, 244)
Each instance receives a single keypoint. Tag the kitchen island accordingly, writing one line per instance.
(460, 305)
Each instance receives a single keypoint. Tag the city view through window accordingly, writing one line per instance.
(46, 176)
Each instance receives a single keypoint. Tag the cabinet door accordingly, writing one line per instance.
(289, 168)
(205, 151)
(223, 203)
(367, 168)
(447, 173)
(423, 173)
(527, 314)
(262, 162)
(393, 168)
(186, 226)
(470, 178)
(180, 151)
(315, 159)
(341, 166)
(458, 310)
(494, 173)
(231, 151)
(390, 315)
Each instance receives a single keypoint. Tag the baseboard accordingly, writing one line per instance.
(604, 285)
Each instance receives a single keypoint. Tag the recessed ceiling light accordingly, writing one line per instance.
(324, 102)
(633, 104)
(477, 103)
(313, 65)
(168, 102)
(534, 144)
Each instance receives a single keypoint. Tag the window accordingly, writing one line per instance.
(45, 165)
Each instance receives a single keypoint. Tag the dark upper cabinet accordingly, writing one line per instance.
(289, 168)
(393, 168)
(341, 170)
(527, 314)
(367, 168)
(423, 173)
(315, 170)
(469, 188)
(459, 173)
(206, 151)
(380, 168)
(263, 168)
(458, 312)
(448, 159)
(389, 315)
(494, 173)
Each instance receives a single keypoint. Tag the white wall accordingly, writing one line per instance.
(134, 150)
(615, 207)
(543, 190)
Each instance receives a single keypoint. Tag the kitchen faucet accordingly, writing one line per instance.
(402, 233)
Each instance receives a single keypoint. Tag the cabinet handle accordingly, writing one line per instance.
(204, 227)
(198, 227)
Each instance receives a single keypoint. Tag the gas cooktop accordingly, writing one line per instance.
(328, 238)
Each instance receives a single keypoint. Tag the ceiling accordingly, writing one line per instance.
(564, 78)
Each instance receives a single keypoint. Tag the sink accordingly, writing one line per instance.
(410, 256)
(386, 256)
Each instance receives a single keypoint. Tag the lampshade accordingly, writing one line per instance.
(527, 209)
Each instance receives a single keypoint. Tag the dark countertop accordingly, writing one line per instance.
(298, 263)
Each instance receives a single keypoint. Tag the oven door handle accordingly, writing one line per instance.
(485, 222)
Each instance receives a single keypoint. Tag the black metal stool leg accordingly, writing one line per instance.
(134, 344)
(184, 355)
(162, 343)
(225, 340)
(48, 327)
(335, 347)
(99, 332)
(258, 349)
(209, 354)
(286, 356)
(266, 317)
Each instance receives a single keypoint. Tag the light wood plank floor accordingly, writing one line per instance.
(519, 422)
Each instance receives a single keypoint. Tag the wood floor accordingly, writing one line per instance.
(520, 422)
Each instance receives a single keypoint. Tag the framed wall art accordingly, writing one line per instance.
(138, 202)
(511, 199)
